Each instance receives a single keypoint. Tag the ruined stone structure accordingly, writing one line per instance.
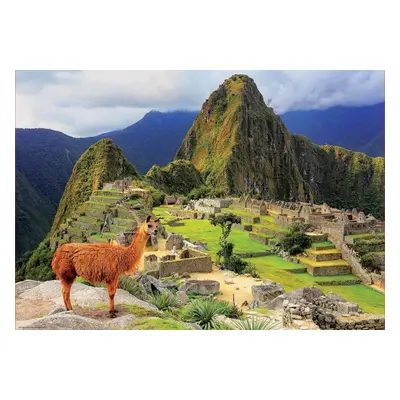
(174, 240)
(170, 264)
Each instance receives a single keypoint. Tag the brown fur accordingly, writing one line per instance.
(100, 262)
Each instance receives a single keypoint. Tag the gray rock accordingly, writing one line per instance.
(266, 292)
(61, 321)
(306, 293)
(152, 285)
(200, 286)
(27, 284)
(56, 310)
(81, 295)
(120, 322)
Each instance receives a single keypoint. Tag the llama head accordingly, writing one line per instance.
(151, 225)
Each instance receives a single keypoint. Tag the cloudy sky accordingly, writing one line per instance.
(85, 103)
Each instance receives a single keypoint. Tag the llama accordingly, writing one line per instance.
(101, 262)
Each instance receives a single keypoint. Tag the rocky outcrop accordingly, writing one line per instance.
(61, 321)
(23, 286)
(81, 295)
(306, 294)
(266, 292)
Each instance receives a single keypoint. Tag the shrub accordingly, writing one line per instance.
(296, 249)
(254, 323)
(296, 241)
(164, 301)
(199, 192)
(370, 262)
(236, 264)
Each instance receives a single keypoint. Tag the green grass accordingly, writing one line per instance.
(316, 264)
(366, 235)
(329, 251)
(276, 269)
(202, 230)
(322, 244)
(272, 227)
(157, 324)
(98, 238)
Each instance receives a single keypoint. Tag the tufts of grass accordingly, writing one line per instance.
(164, 301)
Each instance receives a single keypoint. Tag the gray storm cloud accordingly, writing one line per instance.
(85, 103)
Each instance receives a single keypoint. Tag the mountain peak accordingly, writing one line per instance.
(102, 162)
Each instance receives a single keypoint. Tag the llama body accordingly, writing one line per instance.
(100, 262)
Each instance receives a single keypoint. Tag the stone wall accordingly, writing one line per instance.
(350, 257)
(199, 262)
(217, 203)
(358, 227)
(329, 313)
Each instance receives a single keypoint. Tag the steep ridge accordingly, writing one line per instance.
(240, 145)
(102, 162)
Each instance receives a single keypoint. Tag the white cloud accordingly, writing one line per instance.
(84, 103)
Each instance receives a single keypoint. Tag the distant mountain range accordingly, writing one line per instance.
(45, 158)
(355, 128)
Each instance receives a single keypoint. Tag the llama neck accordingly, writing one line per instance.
(136, 248)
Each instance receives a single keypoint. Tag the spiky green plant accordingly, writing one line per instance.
(204, 311)
(254, 323)
(131, 285)
(164, 301)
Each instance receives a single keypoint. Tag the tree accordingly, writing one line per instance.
(225, 222)
(296, 241)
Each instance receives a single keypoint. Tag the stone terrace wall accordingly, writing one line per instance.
(349, 256)
(199, 262)
(358, 227)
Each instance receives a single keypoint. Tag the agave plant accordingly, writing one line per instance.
(164, 301)
(254, 323)
(204, 311)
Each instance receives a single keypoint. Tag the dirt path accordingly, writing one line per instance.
(241, 288)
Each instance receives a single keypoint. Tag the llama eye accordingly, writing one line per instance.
(149, 226)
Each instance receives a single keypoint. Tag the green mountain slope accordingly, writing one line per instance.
(100, 163)
(178, 177)
(240, 145)
(30, 223)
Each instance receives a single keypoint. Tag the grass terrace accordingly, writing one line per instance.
(277, 269)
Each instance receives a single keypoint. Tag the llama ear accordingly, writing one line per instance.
(157, 220)
(148, 218)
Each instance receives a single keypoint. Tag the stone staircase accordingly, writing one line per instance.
(324, 260)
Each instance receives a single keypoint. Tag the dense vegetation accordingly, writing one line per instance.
(240, 146)
(38, 265)
(178, 177)
(102, 162)
(296, 241)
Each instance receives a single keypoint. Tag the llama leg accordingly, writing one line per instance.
(66, 290)
(111, 289)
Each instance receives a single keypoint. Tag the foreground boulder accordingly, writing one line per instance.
(81, 295)
(25, 285)
(61, 321)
